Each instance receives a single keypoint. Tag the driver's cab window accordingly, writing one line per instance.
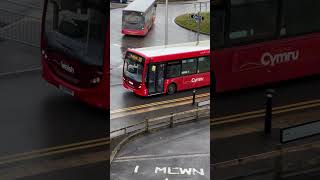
(73, 19)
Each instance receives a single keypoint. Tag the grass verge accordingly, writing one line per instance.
(187, 22)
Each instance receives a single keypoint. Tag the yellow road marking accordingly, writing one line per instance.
(261, 113)
(149, 108)
(96, 142)
(158, 103)
(54, 150)
(52, 153)
(140, 111)
(266, 155)
(105, 141)
(21, 170)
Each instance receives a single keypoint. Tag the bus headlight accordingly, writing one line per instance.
(139, 87)
(95, 80)
(44, 54)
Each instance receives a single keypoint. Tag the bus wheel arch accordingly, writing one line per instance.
(172, 88)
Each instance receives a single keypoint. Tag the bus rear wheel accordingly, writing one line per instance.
(171, 89)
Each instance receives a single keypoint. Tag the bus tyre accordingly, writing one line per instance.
(171, 89)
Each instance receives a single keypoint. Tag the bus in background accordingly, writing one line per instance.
(258, 42)
(167, 69)
(138, 17)
(74, 48)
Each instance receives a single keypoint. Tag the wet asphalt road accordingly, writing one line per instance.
(247, 100)
(251, 99)
(246, 143)
(92, 171)
(35, 115)
(184, 147)
(122, 98)
(119, 43)
(175, 151)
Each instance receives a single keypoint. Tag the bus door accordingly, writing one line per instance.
(156, 79)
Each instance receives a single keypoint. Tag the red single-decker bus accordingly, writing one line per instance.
(259, 42)
(167, 69)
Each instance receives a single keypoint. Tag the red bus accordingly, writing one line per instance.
(257, 42)
(167, 69)
(138, 17)
(74, 48)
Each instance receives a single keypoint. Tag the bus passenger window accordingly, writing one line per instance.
(238, 34)
(300, 17)
(189, 66)
(173, 69)
(251, 21)
(203, 64)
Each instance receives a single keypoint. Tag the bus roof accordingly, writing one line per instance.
(156, 51)
(139, 5)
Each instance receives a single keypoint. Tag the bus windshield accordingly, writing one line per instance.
(133, 20)
(77, 28)
(133, 67)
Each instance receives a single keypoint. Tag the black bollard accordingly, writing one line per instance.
(268, 115)
(194, 97)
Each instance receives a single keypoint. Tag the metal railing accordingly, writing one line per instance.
(169, 121)
(164, 121)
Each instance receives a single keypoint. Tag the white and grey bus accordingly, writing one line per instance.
(138, 17)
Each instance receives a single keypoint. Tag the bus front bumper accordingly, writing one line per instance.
(140, 92)
(96, 96)
(134, 32)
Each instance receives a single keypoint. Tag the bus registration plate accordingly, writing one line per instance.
(66, 90)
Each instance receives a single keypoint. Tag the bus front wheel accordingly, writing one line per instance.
(171, 89)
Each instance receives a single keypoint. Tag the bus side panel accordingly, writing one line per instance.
(264, 63)
(189, 82)
(221, 68)
(196, 80)
(203, 82)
